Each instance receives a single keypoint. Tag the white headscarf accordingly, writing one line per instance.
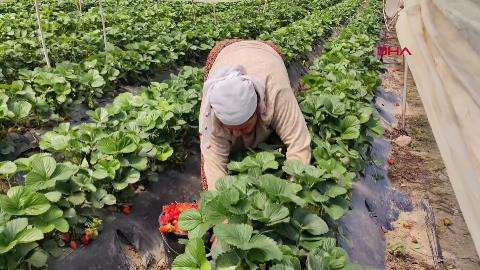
(231, 96)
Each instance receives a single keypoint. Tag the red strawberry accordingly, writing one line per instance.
(126, 209)
(73, 245)
(390, 162)
(85, 239)
(164, 219)
(166, 228)
(65, 237)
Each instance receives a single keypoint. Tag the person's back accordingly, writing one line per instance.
(277, 109)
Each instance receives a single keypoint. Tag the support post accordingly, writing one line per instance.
(214, 11)
(404, 91)
(40, 33)
(79, 5)
(104, 30)
(194, 12)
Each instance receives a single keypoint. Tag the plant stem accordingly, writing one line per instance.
(40, 33)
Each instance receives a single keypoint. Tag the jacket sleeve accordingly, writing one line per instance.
(289, 124)
(215, 157)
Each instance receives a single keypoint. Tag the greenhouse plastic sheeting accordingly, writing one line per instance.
(444, 39)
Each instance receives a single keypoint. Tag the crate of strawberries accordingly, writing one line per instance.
(168, 220)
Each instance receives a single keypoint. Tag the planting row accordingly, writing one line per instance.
(99, 162)
(275, 214)
(299, 37)
(74, 36)
(46, 94)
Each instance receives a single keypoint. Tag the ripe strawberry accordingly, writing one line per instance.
(391, 162)
(85, 240)
(126, 209)
(73, 245)
(168, 228)
(165, 218)
(177, 229)
(65, 237)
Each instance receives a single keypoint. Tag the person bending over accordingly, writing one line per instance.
(247, 96)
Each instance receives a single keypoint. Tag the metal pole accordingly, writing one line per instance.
(404, 92)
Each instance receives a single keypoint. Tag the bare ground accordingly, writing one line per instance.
(418, 170)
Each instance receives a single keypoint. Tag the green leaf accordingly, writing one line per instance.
(293, 167)
(261, 161)
(45, 172)
(310, 222)
(350, 127)
(52, 219)
(53, 196)
(76, 198)
(21, 109)
(338, 258)
(100, 115)
(131, 176)
(7, 167)
(21, 201)
(64, 171)
(194, 257)
(189, 220)
(234, 234)
(263, 249)
(109, 199)
(228, 261)
(335, 190)
(16, 232)
(139, 163)
(38, 259)
(364, 114)
(44, 166)
(317, 261)
(70, 213)
(117, 143)
(272, 214)
(281, 189)
(335, 211)
(163, 152)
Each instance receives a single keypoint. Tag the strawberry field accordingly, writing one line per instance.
(281, 214)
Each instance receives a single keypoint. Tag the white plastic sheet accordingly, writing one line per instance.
(444, 38)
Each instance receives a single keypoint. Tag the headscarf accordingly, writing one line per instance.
(232, 97)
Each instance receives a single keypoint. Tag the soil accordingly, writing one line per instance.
(418, 170)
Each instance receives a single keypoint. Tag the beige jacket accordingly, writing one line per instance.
(282, 115)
